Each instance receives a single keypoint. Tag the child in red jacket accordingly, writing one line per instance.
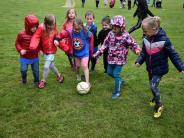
(27, 56)
(46, 34)
(67, 26)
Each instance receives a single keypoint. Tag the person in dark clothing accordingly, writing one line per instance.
(156, 50)
(141, 12)
(106, 28)
(153, 4)
(83, 2)
(129, 4)
(97, 3)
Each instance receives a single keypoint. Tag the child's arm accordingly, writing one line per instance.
(35, 40)
(133, 45)
(174, 56)
(91, 44)
(140, 60)
(64, 45)
(103, 47)
(18, 45)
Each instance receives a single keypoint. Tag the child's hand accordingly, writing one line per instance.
(41, 52)
(23, 52)
(182, 71)
(137, 65)
(56, 42)
(137, 52)
(94, 55)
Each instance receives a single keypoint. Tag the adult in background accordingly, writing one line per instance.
(141, 12)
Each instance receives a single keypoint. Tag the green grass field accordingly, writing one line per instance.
(58, 111)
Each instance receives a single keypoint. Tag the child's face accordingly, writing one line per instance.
(71, 14)
(33, 29)
(116, 30)
(105, 26)
(49, 27)
(77, 28)
(89, 19)
(148, 31)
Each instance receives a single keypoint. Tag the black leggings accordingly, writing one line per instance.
(137, 26)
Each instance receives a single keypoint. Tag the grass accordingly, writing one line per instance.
(58, 111)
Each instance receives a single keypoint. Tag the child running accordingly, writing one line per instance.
(82, 46)
(46, 34)
(27, 56)
(155, 52)
(118, 41)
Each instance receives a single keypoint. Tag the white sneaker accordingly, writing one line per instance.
(78, 77)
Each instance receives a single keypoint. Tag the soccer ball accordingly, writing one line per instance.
(111, 3)
(83, 88)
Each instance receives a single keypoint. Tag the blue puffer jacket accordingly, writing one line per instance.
(155, 53)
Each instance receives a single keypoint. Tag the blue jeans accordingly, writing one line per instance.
(114, 71)
(35, 70)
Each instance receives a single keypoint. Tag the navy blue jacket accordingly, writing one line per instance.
(155, 53)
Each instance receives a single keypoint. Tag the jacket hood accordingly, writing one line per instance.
(29, 22)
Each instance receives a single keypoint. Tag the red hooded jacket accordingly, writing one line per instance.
(24, 37)
(46, 40)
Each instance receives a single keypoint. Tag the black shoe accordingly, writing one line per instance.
(24, 81)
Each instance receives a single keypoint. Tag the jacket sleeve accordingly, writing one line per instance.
(65, 41)
(103, 47)
(174, 56)
(91, 44)
(35, 40)
(99, 38)
(133, 44)
(142, 56)
(17, 43)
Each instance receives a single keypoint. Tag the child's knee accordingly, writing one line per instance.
(46, 68)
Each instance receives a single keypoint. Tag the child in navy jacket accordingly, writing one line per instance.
(155, 52)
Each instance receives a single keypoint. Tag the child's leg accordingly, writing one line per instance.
(105, 3)
(83, 2)
(154, 82)
(93, 63)
(54, 69)
(105, 55)
(35, 70)
(78, 63)
(23, 70)
(97, 3)
(70, 60)
(135, 27)
(84, 63)
(60, 77)
(117, 77)
(129, 4)
(110, 69)
(46, 70)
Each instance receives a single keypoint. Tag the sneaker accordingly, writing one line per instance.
(24, 81)
(152, 103)
(41, 84)
(78, 77)
(60, 78)
(122, 83)
(158, 111)
(115, 95)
